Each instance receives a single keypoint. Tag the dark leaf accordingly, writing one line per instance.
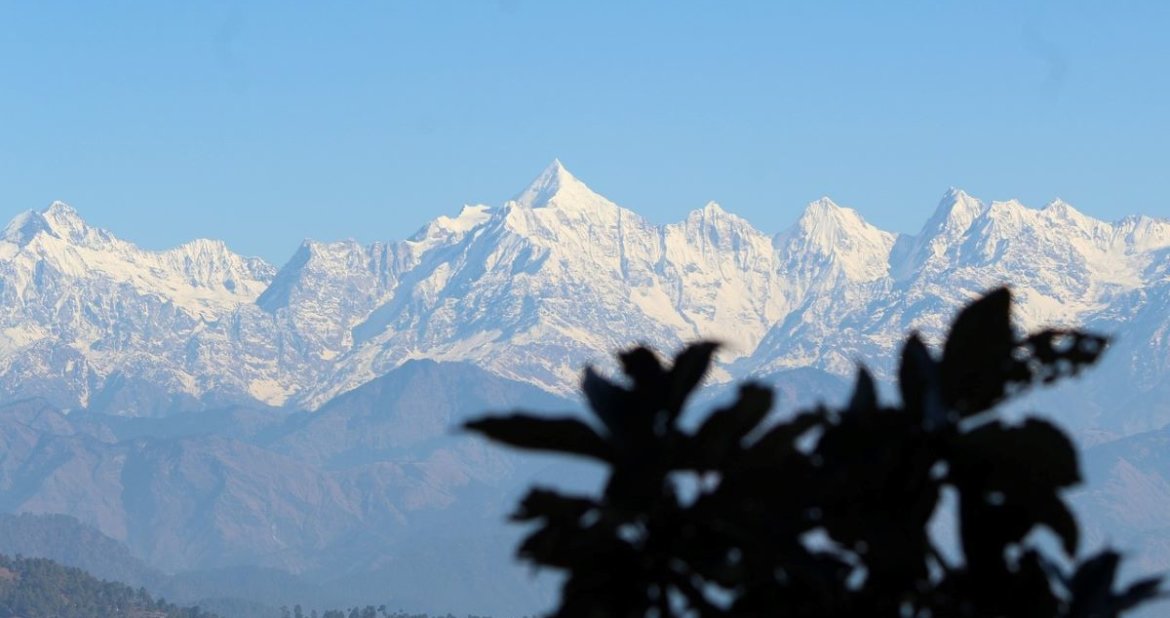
(1140, 592)
(918, 380)
(1054, 513)
(977, 357)
(781, 440)
(561, 435)
(689, 368)
(1054, 354)
(568, 546)
(609, 402)
(985, 531)
(1091, 585)
(643, 367)
(725, 428)
(547, 504)
(864, 394)
(1035, 456)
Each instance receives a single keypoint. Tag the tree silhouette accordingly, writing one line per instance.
(825, 513)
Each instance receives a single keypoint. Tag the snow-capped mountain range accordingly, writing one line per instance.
(536, 288)
(301, 416)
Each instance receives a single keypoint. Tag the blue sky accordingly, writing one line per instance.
(263, 123)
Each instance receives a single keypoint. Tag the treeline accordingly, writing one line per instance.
(368, 611)
(40, 588)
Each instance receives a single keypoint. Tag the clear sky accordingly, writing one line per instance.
(263, 123)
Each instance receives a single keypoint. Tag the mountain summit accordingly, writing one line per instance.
(554, 179)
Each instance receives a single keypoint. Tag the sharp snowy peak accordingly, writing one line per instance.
(833, 264)
(940, 241)
(534, 289)
(557, 188)
(831, 241)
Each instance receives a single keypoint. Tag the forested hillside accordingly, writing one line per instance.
(39, 588)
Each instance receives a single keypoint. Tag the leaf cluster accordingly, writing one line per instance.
(827, 512)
